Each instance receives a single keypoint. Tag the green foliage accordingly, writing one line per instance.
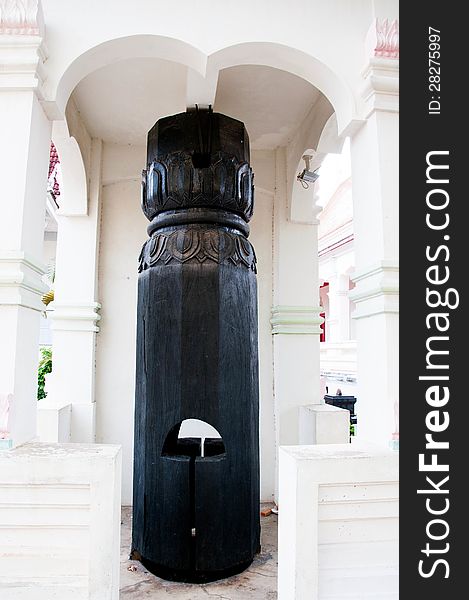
(45, 367)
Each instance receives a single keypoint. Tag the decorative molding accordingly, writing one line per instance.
(21, 17)
(296, 319)
(174, 182)
(189, 217)
(21, 280)
(377, 290)
(382, 40)
(381, 88)
(388, 266)
(22, 60)
(381, 73)
(197, 244)
(22, 49)
(75, 317)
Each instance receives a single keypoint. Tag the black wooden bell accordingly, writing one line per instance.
(196, 499)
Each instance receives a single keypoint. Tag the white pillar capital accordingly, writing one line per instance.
(381, 72)
(22, 49)
(21, 280)
(376, 289)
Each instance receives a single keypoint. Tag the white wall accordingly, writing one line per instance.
(123, 231)
(263, 164)
(48, 250)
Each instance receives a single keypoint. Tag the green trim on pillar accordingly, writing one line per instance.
(296, 320)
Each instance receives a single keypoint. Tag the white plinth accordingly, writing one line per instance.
(323, 424)
(54, 422)
(60, 522)
(338, 523)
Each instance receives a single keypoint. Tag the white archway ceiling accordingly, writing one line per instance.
(120, 102)
(272, 103)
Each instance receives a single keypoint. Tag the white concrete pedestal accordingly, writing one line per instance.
(338, 523)
(323, 424)
(54, 422)
(60, 522)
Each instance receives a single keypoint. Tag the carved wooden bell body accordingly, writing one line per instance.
(196, 499)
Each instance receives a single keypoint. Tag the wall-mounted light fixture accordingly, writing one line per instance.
(307, 176)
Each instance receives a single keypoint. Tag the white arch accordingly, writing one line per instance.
(279, 56)
(338, 98)
(75, 180)
(122, 48)
(297, 62)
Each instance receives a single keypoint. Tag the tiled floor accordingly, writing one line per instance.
(259, 582)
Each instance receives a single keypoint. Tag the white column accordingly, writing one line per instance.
(75, 310)
(338, 319)
(24, 153)
(296, 327)
(295, 314)
(374, 150)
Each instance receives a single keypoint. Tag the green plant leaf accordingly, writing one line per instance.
(44, 367)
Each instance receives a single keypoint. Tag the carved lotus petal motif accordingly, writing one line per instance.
(157, 247)
(184, 244)
(244, 253)
(212, 242)
(217, 245)
(173, 182)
